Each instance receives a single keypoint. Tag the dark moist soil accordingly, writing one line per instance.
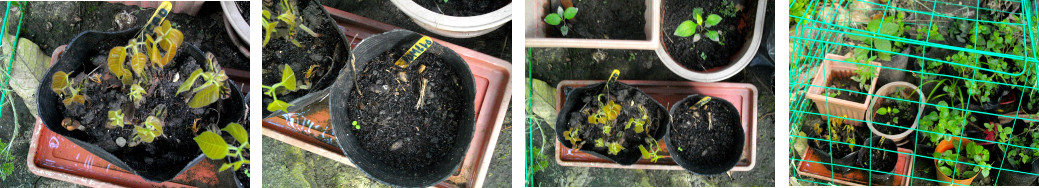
(391, 127)
(847, 83)
(243, 6)
(325, 54)
(707, 134)
(879, 160)
(240, 173)
(629, 100)
(906, 115)
(687, 51)
(604, 19)
(463, 8)
(174, 148)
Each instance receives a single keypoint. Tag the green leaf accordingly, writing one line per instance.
(278, 105)
(288, 78)
(713, 35)
(564, 29)
(570, 13)
(238, 132)
(882, 44)
(889, 28)
(697, 12)
(189, 82)
(945, 170)
(686, 29)
(713, 19)
(553, 19)
(212, 145)
(225, 166)
(882, 111)
(206, 96)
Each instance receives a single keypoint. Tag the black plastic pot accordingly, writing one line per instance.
(78, 54)
(341, 92)
(865, 162)
(708, 166)
(658, 114)
(1010, 178)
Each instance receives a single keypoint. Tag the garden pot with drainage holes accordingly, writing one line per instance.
(457, 22)
(879, 161)
(316, 63)
(694, 145)
(888, 130)
(716, 65)
(628, 97)
(175, 151)
(397, 128)
(830, 74)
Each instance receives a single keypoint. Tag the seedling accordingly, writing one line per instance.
(136, 94)
(863, 75)
(640, 122)
(689, 27)
(652, 153)
(561, 18)
(115, 119)
(615, 148)
(356, 126)
(292, 22)
(572, 135)
(61, 85)
(213, 84)
(887, 110)
(149, 130)
(216, 148)
(288, 81)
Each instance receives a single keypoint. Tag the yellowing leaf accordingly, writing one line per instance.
(238, 132)
(278, 105)
(137, 63)
(59, 82)
(288, 78)
(189, 82)
(144, 134)
(204, 97)
(116, 57)
(212, 145)
(224, 166)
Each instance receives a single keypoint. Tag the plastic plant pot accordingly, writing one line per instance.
(740, 59)
(454, 26)
(831, 68)
(628, 156)
(743, 96)
(719, 160)
(812, 166)
(1012, 178)
(79, 52)
(886, 90)
(233, 15)
(943, 179)
(536, 37)
(344, 89)
(880, 168)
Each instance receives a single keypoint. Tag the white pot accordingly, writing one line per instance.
(454, 26)
(886, 90)
(745, 54)
(234, 16)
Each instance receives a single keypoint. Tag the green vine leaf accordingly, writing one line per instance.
(212, 145)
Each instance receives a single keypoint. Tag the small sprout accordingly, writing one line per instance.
(151, 129)
(887, 110)
(679, 148)
(288, 81)
(216, 148)
(561, 15)
(136, 94)
(690, 27)
(653, 153)
(599, 143)
(615, 148)
(606, 130)
(572, 135)
(703, 101)
(356, 126)
(292, 23)
(115, 119)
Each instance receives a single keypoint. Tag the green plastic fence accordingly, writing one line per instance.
(6, 77)
(977, 63)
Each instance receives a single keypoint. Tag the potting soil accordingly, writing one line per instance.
(408, 117)
(708, 134)
(463, 7)
(606, 19)
(701, 53)
(629, 99)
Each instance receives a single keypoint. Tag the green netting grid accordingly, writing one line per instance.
(811, 34)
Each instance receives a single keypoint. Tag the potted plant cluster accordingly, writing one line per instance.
(309, 51)
(705, 136)
(837, 140)
(1017, 157)
(404, 112)
(709, 41)
(136, 98)
(614, 121)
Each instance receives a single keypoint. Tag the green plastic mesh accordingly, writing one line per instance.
(972, 58)
(6, 77)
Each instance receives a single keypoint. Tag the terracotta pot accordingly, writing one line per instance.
(454, 26)
(535, 31)
(884, 91)
(854, 110)
(943, 179)
(740, 59)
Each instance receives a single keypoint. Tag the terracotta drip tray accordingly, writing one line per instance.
(53, 156)
(743, 96)
(311, 131)
(812, 166)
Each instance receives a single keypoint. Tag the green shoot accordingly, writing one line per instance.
(216, 148)
(212, 88)
(689, 27)
(288, 81)
(560, 16)
(115, 119)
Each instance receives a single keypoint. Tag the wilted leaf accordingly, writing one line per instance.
(212, 145)
(190, 81)
(116, 57)
(137, 63)
(59, 82)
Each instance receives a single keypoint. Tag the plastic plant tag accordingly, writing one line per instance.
(156, 20)
(414, 52)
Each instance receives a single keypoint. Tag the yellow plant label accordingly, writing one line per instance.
(414, 52)
(156, 20)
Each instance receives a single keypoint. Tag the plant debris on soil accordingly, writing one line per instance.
(408, 117)
(463, 8)
(629, 99)
(701, 53)
(316, 63)
(607, 19)
(175, 147)
(708, 130)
